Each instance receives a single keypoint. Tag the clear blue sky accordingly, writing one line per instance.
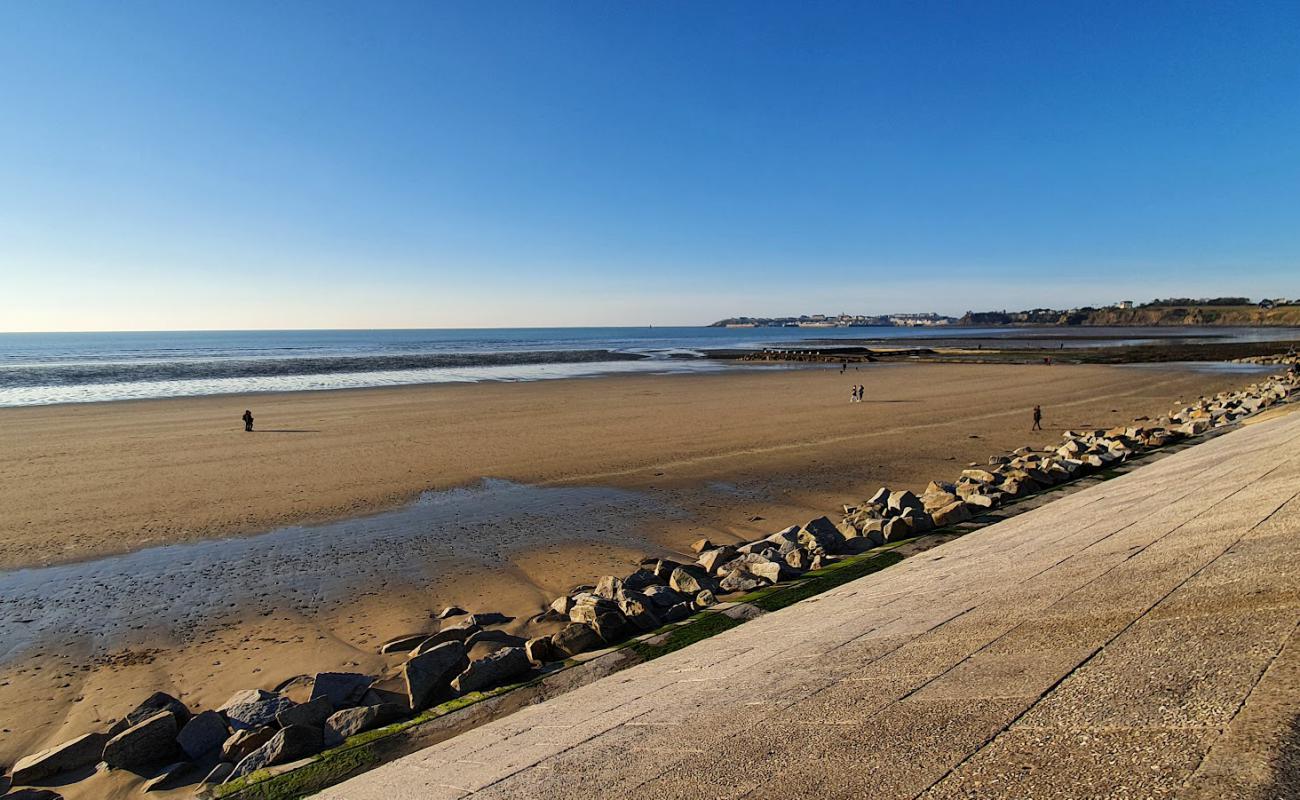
(271, 165)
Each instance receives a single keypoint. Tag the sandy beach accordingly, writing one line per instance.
(724, 455)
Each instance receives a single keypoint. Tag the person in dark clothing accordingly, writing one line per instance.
(248, 420)
(1038, 419)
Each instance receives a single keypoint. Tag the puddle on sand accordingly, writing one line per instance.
(178, 588)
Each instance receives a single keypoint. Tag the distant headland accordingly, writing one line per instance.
(1174, 311)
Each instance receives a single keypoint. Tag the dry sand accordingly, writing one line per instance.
(733, 454)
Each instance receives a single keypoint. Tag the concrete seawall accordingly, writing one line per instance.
(1134, 639)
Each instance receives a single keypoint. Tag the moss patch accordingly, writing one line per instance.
(679, 637)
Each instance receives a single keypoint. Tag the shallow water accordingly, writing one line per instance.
(174, 589)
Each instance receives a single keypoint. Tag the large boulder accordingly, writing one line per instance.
(456, 633)
(951, 514)
(608, 587)
(341, 689)
(288, 744)
(711, 560)
(241, 743)
(541, 650)
(662, 596)
(576, 638)
(254, 708)
(601, 614)
(203, 734)
(901, 501)
(429, 675)
(739, 580)
(403, 644)
(351, 721)
(820, 536)
(689, 580)
(312, 713)
(83, 751)
(641, 580)
(152, 741)
(158, 701)
(499, 668)
(638, 609)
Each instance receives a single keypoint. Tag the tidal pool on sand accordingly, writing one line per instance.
(180, 587)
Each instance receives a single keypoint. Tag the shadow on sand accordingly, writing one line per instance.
(286, 430)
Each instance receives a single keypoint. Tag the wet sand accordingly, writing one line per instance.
(721, 455)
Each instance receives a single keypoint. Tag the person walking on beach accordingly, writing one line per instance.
(248, 420)
(1038, 419)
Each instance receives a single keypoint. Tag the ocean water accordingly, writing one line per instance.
(44, 368)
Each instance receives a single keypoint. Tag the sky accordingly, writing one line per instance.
(235, 165)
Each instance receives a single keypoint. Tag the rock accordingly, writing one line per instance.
(152, 741)
(638, 609)
(83, 751)
(641, 580)
(377, 696)
(158, 701)
(788, 535)
(289, 744)
(678, 612)
(979, 476)
(485, 619)
(769, 571)
(494, 636)
(688, 581)
(341, 689)
(452, 611)
(219, 773)
(33, 794)
(704, 599)
(738, 580)
(456, 633)
(712, 559)
(662, 596)
(700, 545)
(980, 500)
(608, 587)
(254, 708)
(540, 650)
(601, 614)
(896, 528)
(403, 644)
(664, 567)
(951, 514)
(561, 605)
(497, 669)
(797, 559)
(935, 500)
(820, 535)
(169, 777)
(428, 675)
(351, 721)
(575, 638)
(204, 733)
(241, 743)
(313, 713)
(881, 497)
(901, 501)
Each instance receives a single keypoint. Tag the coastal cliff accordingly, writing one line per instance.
(1189, 315)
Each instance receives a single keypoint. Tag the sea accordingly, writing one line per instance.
(46, 368)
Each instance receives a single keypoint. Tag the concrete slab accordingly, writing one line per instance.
(1129, 640)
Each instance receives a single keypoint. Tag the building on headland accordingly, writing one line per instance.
(837, 321)
(1125, 304)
